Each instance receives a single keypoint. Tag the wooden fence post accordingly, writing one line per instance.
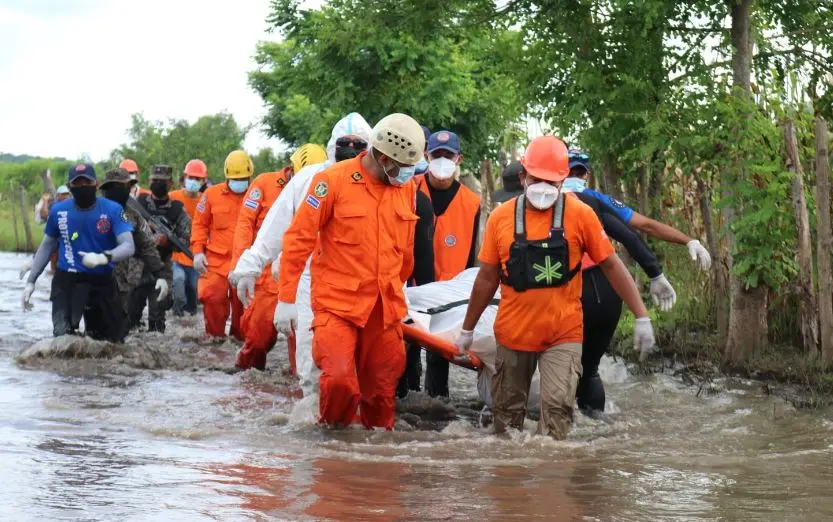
(27, 229)
(13, 204)
(824, 240)
(807, 303)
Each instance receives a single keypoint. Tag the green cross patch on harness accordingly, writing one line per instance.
(548, 271)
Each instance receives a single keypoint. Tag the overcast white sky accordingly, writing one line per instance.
(73, 71)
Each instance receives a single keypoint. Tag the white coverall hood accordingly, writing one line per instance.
(352, 124)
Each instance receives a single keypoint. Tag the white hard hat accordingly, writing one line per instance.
(62, 190)
(399, 137)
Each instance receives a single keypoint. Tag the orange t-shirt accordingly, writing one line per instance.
(540, 318)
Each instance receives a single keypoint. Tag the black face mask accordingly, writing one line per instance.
(84, 196)
(345, 153)
(118, 192)
(159, 189)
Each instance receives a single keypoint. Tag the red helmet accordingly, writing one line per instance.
(547, 158)
(196, 169)
(129, 165)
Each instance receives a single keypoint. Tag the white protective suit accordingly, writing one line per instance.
(447, 325)
(268, 245)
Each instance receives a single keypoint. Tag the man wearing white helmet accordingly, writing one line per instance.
(349, 138)
(358, 218)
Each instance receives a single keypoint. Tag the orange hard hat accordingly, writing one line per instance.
(196, 169)
(129, 165)
(547, 158)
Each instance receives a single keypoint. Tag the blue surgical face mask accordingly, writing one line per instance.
(238, 186)
(404, 174)
(421, 166)
(192, 185)
(574, 185)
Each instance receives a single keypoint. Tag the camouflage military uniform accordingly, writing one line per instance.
(129, 273)
(177, 219)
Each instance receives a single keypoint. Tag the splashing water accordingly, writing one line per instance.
(164, 428)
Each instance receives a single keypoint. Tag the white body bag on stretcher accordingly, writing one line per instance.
(441, 308)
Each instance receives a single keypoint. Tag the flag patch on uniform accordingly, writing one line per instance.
(250, 203)
(313, 201)
(201, 205)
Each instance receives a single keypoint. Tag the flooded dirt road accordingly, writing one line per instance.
(164, 430)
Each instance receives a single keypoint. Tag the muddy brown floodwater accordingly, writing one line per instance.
(162, 429)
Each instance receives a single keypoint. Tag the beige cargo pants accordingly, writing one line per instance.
(560, 368)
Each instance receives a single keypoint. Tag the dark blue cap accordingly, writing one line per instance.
(579, 158)
(82, 170)
(444, 140)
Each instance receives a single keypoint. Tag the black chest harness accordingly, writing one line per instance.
(543, 263)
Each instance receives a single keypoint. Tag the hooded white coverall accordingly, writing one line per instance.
(268, 245)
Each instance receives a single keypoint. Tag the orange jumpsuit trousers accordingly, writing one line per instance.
(359, 366)
(259, 331)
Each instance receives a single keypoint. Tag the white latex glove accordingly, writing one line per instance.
(25, 267)
(276, 269)
(233, 278)
(246, 289)
(663, 293)
(200, 263)
(92, 260)
(699, 252)
(26, 300)
(464, 340)
(162, 288)
(286, 317)
(643, 337)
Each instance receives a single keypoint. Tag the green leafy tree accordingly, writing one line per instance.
(174, 143)
(389, 56)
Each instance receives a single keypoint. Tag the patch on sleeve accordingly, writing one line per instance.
(615, 202)
(123, 216)
(201, 205)
(321, 190)
(250, 203)
(313, 201)
(356, 176)
(254, 194)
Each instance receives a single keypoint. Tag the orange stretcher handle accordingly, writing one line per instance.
(439, 346)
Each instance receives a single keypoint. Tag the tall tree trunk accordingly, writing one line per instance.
(825, 240)
(807, 313)
(27, 228)
(720, 274)
(748, 331)
(487, 197)
(48, 185)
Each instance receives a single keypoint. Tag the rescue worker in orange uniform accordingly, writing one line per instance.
(133, 169)
(260, 296)
(185, 277)
(212, 240)
(533, 249)
(456, 223)
(359, 219)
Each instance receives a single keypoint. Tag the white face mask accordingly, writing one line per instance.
(442, 168)
(541, 195)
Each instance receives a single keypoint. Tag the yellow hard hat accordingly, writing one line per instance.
(238, 165)
(308, 154)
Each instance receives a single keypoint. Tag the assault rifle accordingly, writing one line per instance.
(159, 225)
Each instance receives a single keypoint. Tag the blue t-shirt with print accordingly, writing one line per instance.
(624, 212)
(90, 230)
